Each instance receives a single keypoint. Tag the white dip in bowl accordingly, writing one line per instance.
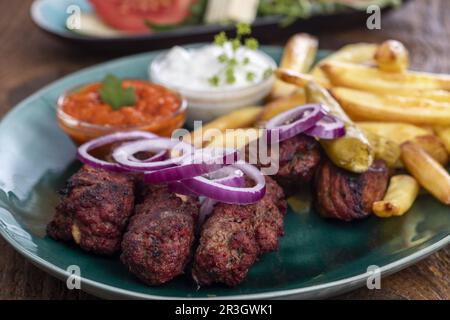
(189, 71)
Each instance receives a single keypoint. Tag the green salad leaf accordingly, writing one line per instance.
(113, 94)
(292, 10)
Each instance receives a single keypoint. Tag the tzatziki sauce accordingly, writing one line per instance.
(191, 69)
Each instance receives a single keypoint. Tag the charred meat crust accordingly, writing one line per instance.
(94, 210)
(158, 242)
(235, 236)
(299, 158)
(347, 196)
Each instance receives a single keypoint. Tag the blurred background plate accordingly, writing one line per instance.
(51, 16)
(317, 258)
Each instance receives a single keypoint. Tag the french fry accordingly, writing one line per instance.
(366, 78)
(427, 171)
(411, 101)
(281, 105)
(392, 56)
(397, 132)
(296, 78)
(299, 56)
(242, 118)
(384, 149)
(434, 95)
(354, 53)
(237, 138)
(444, 134)
(399, 198)
(373, 107)
(434, 146)
(352, 152)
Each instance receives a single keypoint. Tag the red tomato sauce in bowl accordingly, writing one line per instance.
(84, 116)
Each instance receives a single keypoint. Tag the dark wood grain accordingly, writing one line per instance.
(30, 59)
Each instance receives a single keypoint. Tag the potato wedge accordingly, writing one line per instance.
(397, 132)
(242, 118)
(365, 78)
(299, 55)
(281, 105)
(370, 106)
(354, 53)
(434, 146)
(399, 198)
(392, 56)
(444, 134)
(427, 171)
(352, 152)
(384, 149)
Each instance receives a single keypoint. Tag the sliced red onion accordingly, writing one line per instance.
(206, 209)
(83, 151)
(124, 154)
(329, 127)
(201, 162)
(160, 156)
(180, 188)
(296, 121)
(228, 194)
(227, 176)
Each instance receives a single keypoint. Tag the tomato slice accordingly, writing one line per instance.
(131, 15)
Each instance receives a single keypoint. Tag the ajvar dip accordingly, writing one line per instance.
(157, 109)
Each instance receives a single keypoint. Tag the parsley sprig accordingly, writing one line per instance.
(232, 62)
(113, 93)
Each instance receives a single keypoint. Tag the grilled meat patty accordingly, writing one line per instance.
(94, 210)
(347, 196)
(158, 242)
(299, 158)
(235, 236)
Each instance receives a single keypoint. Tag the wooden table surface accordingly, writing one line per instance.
(30, 59)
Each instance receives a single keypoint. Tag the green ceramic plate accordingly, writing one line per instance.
(317, 258)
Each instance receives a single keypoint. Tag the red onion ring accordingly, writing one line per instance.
(123, 155)
(227, 176)
(160, 156)
(206, 209)
(298, 120)
(83, 151)
(203, 161)
(179, 188)
(329, 127)
(228, 194)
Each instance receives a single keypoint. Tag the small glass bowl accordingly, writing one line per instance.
(80, 131)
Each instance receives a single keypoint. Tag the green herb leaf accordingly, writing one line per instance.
(214, 81)
(232, 61)
(222, 58)
(243, 29)
(236, 44)
(250, 76)
(220, 39)
(252, 44)
(113, 94)
(267, 73)
(230, 77)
